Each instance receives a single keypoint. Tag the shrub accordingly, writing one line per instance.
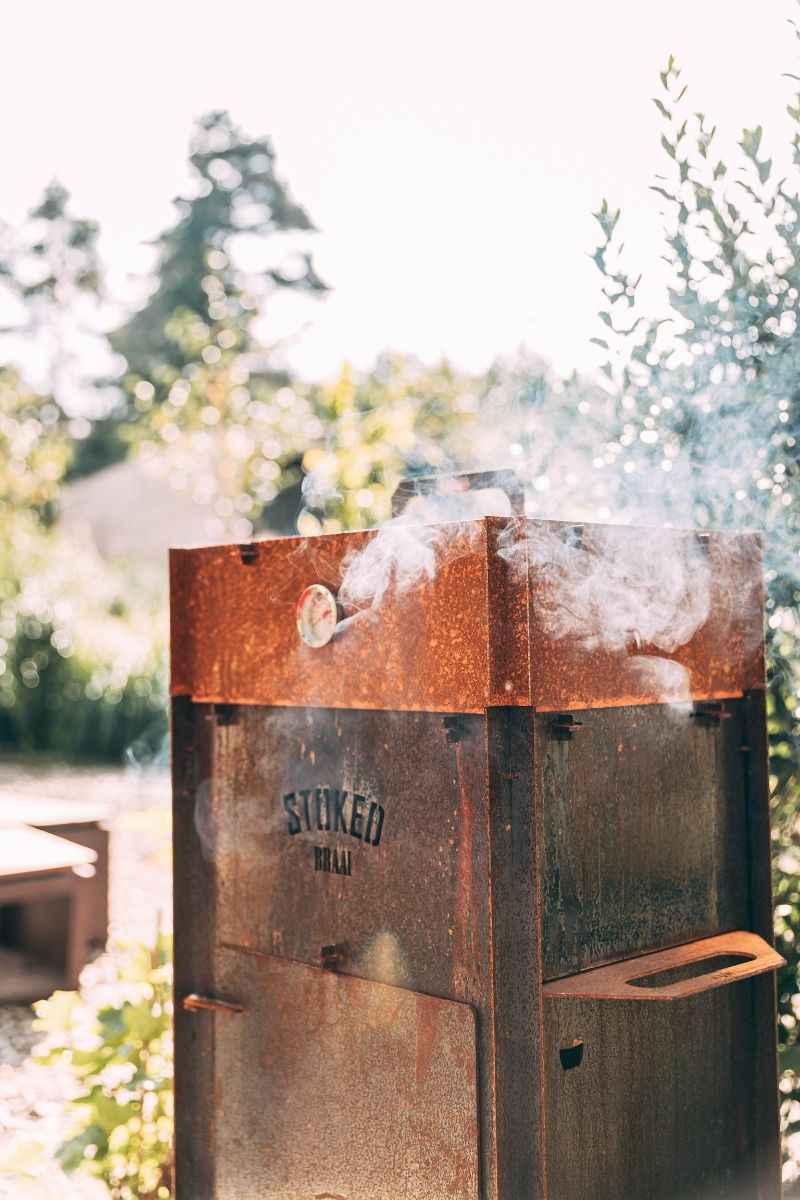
(121, 1054)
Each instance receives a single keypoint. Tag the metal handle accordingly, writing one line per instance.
(467, 481)
(672, 974)
(195, 1003)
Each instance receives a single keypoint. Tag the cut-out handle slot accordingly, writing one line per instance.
(689, 970)
(674, 973)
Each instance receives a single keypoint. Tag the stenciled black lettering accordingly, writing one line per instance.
(333, 860)
(325, 809)
(305, 793)
(374, 819)
(357, 816)
(338, 811)
(292, 813)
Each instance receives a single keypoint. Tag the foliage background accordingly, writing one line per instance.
(695, 420)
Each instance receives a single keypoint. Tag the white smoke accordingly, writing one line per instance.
(406, 549)
(614, 589)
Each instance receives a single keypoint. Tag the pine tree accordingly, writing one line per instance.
(237, 191)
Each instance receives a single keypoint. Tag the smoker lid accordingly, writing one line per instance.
(473, 614)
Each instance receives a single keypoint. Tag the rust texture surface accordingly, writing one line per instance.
(675, 973)
(608, 615)
(662, 1104)
(515, 895)
(402, 900)
(194, 906)
(420, 851)
(645, 827)
(502, 611)
(425, 646)
(344, 1087)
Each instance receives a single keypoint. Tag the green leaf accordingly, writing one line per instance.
(670, 149)
(141, 1023)
(138, 965)
(789, 1058)
(751, 140)
(55, 1014)
(71, 1153)
(91, 1061)
(111, 1020)
(108, 1113)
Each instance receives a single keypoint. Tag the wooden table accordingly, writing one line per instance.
(53, 890)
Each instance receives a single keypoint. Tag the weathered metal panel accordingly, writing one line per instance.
(516, 954)
(403, 900)
(645, 833)
(759, 874)
(586, 647)
(425, 647)
(194, 908)
(343, 1087)
(662, 1104)
(488, 622)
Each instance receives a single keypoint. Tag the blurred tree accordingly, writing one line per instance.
(237, 197)
(34, 452)
(231, 249)
(227, 432)
(81, 646)
(709, 402)
(50, 277)
(400, 419)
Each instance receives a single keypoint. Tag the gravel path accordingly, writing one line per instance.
(34, 1119)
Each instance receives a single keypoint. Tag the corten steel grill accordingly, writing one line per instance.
(463, 909)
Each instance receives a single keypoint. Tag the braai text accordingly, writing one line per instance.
(337, 862)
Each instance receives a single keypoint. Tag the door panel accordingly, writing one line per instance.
(342, 1087)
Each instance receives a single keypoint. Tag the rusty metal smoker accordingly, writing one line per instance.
(463, 909)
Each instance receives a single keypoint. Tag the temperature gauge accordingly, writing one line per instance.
(317, 615)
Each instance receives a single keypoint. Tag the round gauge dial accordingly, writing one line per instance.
(317, 615)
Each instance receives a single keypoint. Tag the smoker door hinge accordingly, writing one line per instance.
(709, 714)
(333, 956)
(248, 553)
(564, 726)
(195, 1003)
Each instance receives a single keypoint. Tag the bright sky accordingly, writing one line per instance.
(450, 153)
